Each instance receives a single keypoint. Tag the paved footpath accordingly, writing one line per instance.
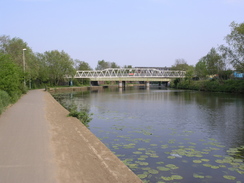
(25, 152)
(40, 144)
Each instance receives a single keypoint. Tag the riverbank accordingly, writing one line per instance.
(85, 88)
(80, 155)
(41, 144)
(214, 85)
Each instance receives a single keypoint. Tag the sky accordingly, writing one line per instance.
(141, 33)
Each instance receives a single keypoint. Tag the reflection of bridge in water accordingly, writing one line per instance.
(131, 74)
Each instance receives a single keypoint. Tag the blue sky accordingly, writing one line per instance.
(128, 32)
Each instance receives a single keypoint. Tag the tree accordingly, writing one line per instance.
(235, 51)
(11, 77)
(201, 69)
(210, 64)
(214, 62)
(81, 65)
(14, 48)
(104, 65)
(189, 73)
(127, 66)
(114, 65)
(58, 65)
(180, 64)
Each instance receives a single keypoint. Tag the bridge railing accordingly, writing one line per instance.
(129, 72)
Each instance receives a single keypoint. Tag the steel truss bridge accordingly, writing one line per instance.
(130, 74)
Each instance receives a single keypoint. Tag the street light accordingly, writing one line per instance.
(24, 64)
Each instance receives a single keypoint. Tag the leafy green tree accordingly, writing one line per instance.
(81, 65)
(213, 62)
(43, 70)
(127, 66)
(3, 42)
(201, 69)
(114, 65)
(180, 64)
(104, 65)
(14, 48)
(235, 51)
(189, 73)
(11, 77)
(58, 65)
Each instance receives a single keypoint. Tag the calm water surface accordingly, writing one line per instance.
(170, 135)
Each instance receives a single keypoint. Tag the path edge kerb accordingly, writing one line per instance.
(78, 153)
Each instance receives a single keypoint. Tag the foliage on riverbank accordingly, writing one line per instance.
(82, 113)
(4, 100)
(11, 81)
(213, 85)
(83, 116)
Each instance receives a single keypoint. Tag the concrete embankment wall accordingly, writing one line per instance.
(79, 154)
(86, 88)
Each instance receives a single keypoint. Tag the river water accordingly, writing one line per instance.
(166, 135)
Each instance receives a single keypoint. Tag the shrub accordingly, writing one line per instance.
(10, 78)
(232, 86)
(4, 100)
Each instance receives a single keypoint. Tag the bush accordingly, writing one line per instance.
(10, 78)
(83, 116)
(4, 100)
(231, 86)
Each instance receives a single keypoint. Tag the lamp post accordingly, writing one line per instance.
(24, 64)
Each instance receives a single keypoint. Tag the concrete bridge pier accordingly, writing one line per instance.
(121, 84)
(147, 84)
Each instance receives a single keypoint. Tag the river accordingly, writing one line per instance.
(166, 135)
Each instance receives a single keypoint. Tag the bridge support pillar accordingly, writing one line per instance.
(147, 84)
(121, 84)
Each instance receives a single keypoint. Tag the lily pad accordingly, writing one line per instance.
(142, 176)
(171, 166)
(161, 168)
(166, 178)
(214, 167)
(176, 177)
(229, 177)
(205, 160)
(153, 171)
(198, 176)
(197, 161)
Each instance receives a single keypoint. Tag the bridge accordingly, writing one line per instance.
(130, 74)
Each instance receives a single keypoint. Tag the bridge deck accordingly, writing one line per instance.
(130, 74)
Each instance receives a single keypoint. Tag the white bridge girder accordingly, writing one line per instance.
(129, 74)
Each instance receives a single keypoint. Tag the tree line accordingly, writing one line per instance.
(220, 61)
(21, 68)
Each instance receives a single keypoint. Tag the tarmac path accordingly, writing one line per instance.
(40, 144)
(25, 150)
